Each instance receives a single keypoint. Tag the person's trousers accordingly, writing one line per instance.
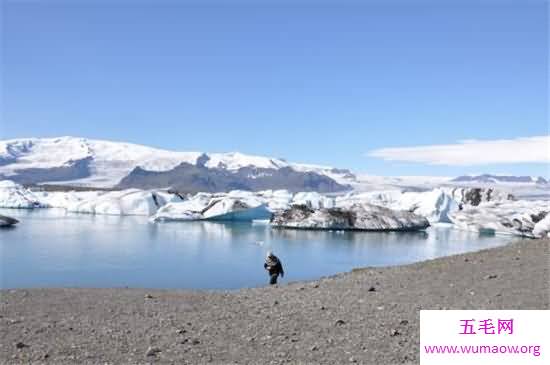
(273, 279)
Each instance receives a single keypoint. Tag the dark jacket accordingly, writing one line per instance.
(273, 266)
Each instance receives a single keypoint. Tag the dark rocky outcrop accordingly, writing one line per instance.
(188, 178)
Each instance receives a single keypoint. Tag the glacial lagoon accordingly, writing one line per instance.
(53, 248)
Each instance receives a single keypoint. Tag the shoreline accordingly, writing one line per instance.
(367, 315)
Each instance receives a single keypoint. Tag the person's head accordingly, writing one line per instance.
(269, 254)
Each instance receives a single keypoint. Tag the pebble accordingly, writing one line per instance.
(152, 351)
(394, 333)
(352, 359)
(314, 348)
(20, 345)
(195, 341)
(148, 296)
(494, 276)
(372, 288)
(340, 322)
(404, 322)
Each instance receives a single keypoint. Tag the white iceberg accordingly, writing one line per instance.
(276, 199)
(434, 205)
(235, 206)
(125, 202)
(542, 227)
(13, 195)
(312, 200)
(506, 217)
(65, 199)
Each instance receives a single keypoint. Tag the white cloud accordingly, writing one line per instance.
(473, 152)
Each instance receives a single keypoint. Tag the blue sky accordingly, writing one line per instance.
(330, 83)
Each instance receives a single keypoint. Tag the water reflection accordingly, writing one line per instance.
(54, 248)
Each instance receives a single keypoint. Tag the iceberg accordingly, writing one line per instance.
(475, 196)
(231, 209)
(65, 199)
(125, 202)
(312, 200)
(542, 227)
(6, 221)
(435, 205)
(13, 195)
(235, 206)
(516, 218)
(358, 217)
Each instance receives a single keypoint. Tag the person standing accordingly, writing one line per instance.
(274, 267)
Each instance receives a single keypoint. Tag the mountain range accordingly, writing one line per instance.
(89, 163)
(105, 164)
(488, 178)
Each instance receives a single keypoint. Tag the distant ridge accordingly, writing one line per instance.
(487, 178)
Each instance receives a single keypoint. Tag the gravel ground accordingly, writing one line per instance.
(368, 316)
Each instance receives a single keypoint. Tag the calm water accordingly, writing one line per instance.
(51, 248)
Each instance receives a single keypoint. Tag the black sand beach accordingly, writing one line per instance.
(368, 316)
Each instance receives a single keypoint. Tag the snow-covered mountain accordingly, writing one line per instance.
(488, 178)
(106, 164)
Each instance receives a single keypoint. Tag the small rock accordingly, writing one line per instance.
(20, 345)
(275, 302)
(340, 322)
(148, 296)
(372, 288)
(472, 293)
(314, 348)
(323, 307)
(315, 285)
(466, 259)
(152, 351)
(394, 333)
(181, 331)
(404, 322)
(46, 356)
(381, 308)
(195, 341)
(352, 359)
(494, 276)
